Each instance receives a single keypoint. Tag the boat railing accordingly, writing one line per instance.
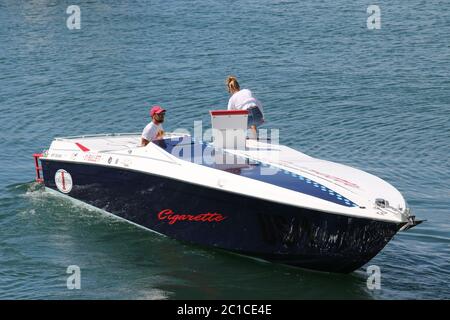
(100, 135)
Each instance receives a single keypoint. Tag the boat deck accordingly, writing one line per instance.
(105, 142)
(260, 161)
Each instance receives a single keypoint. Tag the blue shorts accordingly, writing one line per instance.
(255, 117)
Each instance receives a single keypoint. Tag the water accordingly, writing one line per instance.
(378, 100)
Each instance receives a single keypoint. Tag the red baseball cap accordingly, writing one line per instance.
(157, 110)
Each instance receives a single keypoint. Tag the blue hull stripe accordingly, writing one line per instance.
(252, 169)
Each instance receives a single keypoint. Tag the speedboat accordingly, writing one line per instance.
(268, 202)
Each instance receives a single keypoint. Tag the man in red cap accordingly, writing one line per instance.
(154, 129)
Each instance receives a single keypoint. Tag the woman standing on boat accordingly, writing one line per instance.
(244, 100)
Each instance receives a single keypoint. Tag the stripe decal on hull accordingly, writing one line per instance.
(190, 151)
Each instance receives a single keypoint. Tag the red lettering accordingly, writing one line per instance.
(348, 183)
(220, 218)
(168, 214)
(163, 214)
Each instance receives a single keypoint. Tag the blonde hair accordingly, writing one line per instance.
(232, 84)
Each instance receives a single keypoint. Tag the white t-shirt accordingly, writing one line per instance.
(151, 131)
(242, 100)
